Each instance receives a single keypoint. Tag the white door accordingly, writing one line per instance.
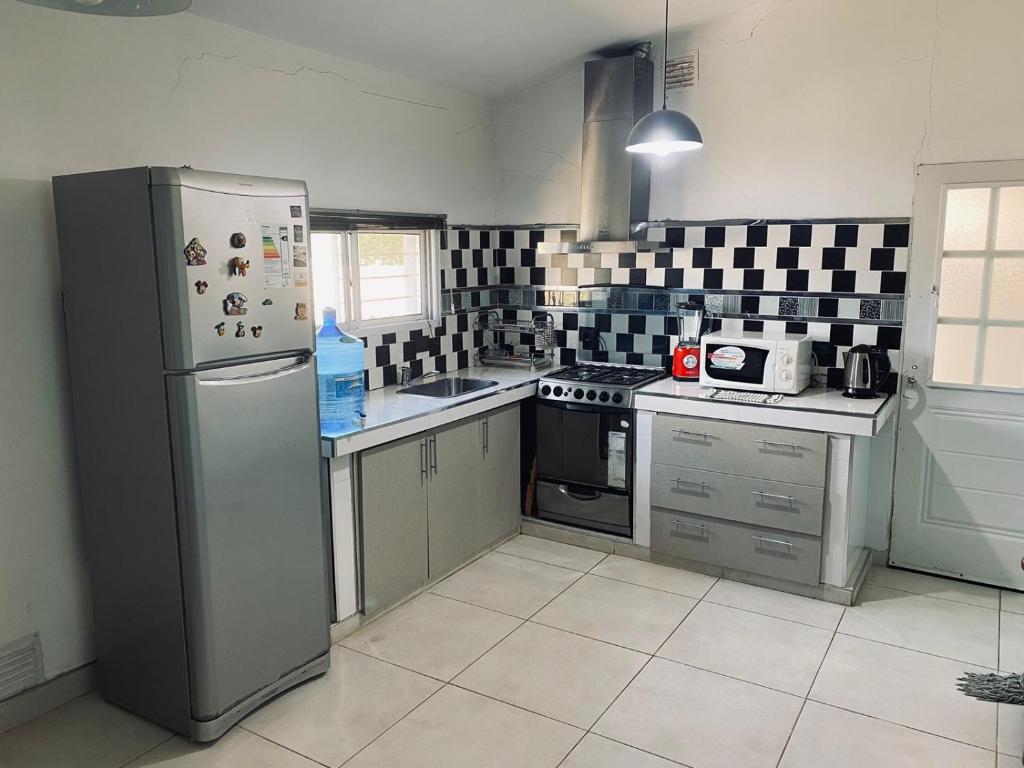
(959, 495)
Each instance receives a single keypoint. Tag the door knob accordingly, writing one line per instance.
(911, 381)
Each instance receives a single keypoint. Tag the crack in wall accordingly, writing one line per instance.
(729, 176)
(929, 117)
(756, 25)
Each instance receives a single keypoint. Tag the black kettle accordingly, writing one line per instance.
(866, 370)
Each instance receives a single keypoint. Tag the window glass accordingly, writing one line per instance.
(960, 287)
(966, 219)
(1004, 357)
(955, 350)
(1010, 223)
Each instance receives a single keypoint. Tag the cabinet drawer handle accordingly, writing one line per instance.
(433, 453)
(698, 526)
(792, 446)
(701, 485)
(765, 495)
(766, 540)
(423, 462)
(701, 435)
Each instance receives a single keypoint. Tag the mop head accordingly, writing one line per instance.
(1002, 689)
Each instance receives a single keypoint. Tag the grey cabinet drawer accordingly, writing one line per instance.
(785, 506)
(786, 455)
(779, 554)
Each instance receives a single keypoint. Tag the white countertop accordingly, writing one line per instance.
(392, 416)
(822, 410)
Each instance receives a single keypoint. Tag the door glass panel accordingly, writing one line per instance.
(1004, 357)
(1010, 221)
(960, 287)
(966, 224)
(1006, 296)
(955, 347)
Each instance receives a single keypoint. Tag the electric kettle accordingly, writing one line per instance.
(866, 370)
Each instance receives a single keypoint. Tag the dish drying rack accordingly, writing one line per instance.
(498, 351)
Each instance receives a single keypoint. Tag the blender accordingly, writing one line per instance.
(686, 357)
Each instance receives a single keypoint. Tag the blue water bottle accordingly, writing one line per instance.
(339, 366)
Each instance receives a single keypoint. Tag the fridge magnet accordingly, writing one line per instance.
(195, 253)
(239, 330)
(301, 311)
(201, 286)
(219, 327)
(239, 266)
(234, 303)
(257, 331)
(297, 234)
(267, 302)
(238, 240)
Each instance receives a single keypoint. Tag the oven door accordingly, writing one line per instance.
(738, 366)
(585, 445)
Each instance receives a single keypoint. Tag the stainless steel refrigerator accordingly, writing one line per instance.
(187, 308)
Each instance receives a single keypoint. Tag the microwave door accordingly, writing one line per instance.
(738, 365)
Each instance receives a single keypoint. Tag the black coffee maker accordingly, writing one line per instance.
(866, 370)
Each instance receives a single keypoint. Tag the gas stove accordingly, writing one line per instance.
(598, 384)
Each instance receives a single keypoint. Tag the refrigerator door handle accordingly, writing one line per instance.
(253, 377)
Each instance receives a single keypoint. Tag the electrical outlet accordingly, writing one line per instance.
(590, 339)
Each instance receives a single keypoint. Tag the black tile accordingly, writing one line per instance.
(528, 257)
(883, 259)
(444, 239)
(663, 260)
(627, 260)
(750, 305)
(462, 359)
(463, 238)
(566, 356)
(757, 234)
(753, 279)
(894, 282)
(671, 325)
(844, 281)
(702, 257)
(800, 234)
(797, 279)
(889, 337)
(846, 235)
(485, 239)
(603, 322)
(828, 307)
(673, 278)
(634, 358)
(434, 346)
(824, 352)
(538, 276)
(474, 298)
(478, 338)
(743, 258)
(389, 338)
(787, 258)
(440, 364)
(478, 257)
(482, 277)
(834, 378)
(570, 321)
(833, 258)
(794, 327)
(841, 334)
(870, 309)
(456, 259)
(753, 325)
(461, 279)
(457, 342)
(507, 275)
(382, 356)
(498, 256)
(416, 368)
(675, 237)
(714, 237)
(390, 373)
(638, 277)
(712, 278)
(896, 235)
(660, 344)
(408, 351)
(623, 342)
(536, 236)
(638, 324)
(366, 381)
(462, 323)
(444, 280)
(788, 306)
(599, 356)
(506, 239)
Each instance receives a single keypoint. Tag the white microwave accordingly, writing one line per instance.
(756, 361)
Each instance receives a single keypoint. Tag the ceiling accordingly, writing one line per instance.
(486, 47)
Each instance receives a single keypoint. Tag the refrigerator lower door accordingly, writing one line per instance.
(246, 449)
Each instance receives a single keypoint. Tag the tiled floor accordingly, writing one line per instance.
(541, 655)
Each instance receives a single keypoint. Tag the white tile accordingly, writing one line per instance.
(332, 718)
(826, 736)
(552, 552)
(1011, 601)
(1011, 642)
(942, 627)
(933, 586)
(1005, 761)
(617, 612)
(906, 687)
(1011, 729)
(433, 635)
(554, 673)
(759, 649)
(508, 584)
(236, 749)
(701, 719)
(654, 576)
(460, 729)
(84, 733)
(598, 752)
(781, 605)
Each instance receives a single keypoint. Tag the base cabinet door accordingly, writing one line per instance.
(394, 483)
(453, 523)
(499, 507)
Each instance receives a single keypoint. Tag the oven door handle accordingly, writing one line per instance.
(564, 490)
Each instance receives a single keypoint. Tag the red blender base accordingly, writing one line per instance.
(686, 363)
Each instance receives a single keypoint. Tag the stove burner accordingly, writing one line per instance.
(622, 376)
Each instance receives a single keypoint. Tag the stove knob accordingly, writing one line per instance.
(603, 397)
(578, 394)
(545, 390)
(558, 391)
(591, 395)
(617, 397)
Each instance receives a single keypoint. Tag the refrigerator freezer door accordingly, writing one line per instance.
(246, 451)
(233, 269)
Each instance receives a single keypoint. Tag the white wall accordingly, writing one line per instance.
(83, 93)
(809, 108)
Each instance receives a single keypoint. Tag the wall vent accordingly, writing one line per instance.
(21, 665)
(681, 72)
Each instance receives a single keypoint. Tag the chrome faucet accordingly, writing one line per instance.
(407, 377)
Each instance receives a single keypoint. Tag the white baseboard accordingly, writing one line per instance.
(30, 704)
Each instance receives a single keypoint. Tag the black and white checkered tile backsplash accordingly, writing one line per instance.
(842, 283)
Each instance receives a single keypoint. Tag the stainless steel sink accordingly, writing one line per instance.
(453, 387)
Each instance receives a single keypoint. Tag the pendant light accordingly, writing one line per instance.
(664, 131)
(116, 7)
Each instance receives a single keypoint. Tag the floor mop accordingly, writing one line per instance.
(990, 686)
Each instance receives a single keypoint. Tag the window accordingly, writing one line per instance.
(979, 336)
(373, 277)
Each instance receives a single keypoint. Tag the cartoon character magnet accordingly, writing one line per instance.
(257, 331)
(195, 253)
(239, 266)
(219, 327)
(238, 240)
(201, 286)
(234, 303)
(239, 330)
(301, 311)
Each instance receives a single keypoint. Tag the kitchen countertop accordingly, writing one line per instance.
(392, 416)
(822, 410)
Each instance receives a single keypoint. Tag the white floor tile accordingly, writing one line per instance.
(1011, 642)
(655, 576)
(933, 586)
(460, 729)
(1011, 729)
(552, 552)
(617, 612)
(1005, 761)
(433, 635)
(84, 733)
(598, 752)
(701, 719)
(905, 687)
(781, 605)
(236, 749)
(759, 649)
(554, 673)
(332, 718)
(512, 585)
(1011, 601)
(941, 627)
(826, 736)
